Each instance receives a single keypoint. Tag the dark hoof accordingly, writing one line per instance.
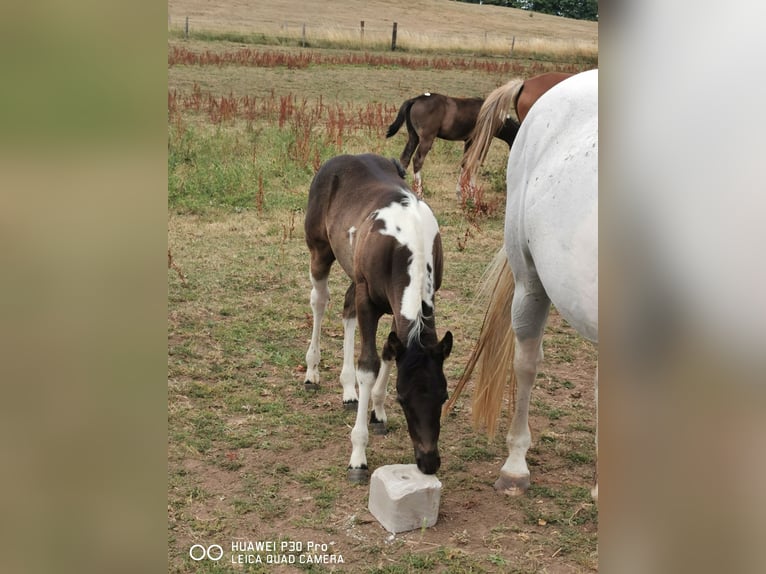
(358, 475)
(351, 405)
(512, 485)
(379, 428)
(309, 386)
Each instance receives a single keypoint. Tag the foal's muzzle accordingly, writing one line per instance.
(428, 462)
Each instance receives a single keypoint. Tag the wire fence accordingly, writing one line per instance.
(377, 35)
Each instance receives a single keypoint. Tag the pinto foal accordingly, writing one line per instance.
(362, 214)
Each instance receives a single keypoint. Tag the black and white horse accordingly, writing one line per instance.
(361, 212)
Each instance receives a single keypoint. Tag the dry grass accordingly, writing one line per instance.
(428, 25)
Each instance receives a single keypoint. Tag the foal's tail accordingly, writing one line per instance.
(494, 350)
(499, 105)
(404, 110)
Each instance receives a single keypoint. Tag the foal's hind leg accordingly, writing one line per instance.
(348, 373)
(530, 310)
(321, 260)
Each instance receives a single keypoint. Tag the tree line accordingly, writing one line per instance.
(577, 9)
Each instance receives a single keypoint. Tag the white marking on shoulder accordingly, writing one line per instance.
(351, 231)
(427, 93)
(412, 223)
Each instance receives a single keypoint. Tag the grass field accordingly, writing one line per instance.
(426, 25)
(252, 456)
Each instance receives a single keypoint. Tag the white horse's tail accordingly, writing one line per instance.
(494, 349)
(494, 111)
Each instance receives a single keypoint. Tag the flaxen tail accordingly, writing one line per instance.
(493, 354)
(400, 117)
(499, 105)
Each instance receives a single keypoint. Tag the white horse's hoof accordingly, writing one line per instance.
(358, 475)
(512, 485)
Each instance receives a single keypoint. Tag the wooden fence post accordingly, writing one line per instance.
(303, 35)
(186, 29)
(362, 31)
(393, 38)
(513, 43)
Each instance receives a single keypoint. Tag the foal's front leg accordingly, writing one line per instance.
(367, 372)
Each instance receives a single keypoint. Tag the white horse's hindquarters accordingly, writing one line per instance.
(552, 205)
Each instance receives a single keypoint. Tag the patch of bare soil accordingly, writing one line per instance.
(297, 490)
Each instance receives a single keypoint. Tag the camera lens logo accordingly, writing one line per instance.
(213, 552)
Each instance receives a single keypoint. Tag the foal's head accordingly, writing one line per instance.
(421, 391)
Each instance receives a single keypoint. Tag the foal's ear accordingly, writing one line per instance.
(393, 348)
(445, 345)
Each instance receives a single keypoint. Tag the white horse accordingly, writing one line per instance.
(551, 245)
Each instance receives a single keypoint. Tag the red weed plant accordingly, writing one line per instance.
(472, 201)
(248, 57)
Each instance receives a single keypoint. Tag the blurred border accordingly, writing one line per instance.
(83, 225)
(682, 367)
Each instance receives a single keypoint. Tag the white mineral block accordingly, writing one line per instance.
(403, 498)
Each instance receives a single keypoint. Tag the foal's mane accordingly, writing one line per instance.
(498, 106)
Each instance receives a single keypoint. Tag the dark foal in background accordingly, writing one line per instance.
(362, 214)
(429, 116)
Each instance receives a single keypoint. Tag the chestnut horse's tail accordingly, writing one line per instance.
(499, 105)
(494, 349)
(404, 110)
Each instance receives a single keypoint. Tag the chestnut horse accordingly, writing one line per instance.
(518, 96)
(361, 212)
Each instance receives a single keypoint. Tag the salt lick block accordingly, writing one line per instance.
(403, 498)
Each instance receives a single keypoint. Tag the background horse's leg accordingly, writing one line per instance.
(367, 371)
(348, 373)
(409, 148)
(378, 417)
(530, 312)
(321, 261)
(417, 164)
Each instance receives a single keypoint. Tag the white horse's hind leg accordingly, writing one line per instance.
(514, 475)
(320, 295)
